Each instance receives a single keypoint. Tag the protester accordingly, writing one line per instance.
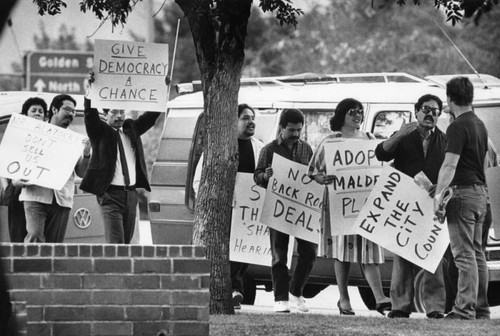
(290, 147)
(346, 123)
(117, 168)
(249, 149)
(47, 210)
(36, 108)
(417, 147)
(463, 169)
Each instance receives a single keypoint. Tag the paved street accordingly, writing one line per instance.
(326, 303)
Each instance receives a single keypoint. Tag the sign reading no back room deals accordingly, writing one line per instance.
(130, 75)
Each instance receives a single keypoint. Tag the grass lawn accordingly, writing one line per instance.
(310, 324)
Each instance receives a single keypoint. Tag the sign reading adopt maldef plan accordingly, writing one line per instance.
(399, 216)
(249, 241)
(355, 169)
(130, 75)
(42, 153)
(293, 201)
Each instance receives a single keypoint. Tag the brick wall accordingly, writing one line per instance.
(109, 289)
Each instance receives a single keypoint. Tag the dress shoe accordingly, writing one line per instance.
(381, 307)
(398, 314)
(455, 316)
(344, 311)
(435, 315)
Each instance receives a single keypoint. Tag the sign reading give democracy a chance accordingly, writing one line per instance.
(293, 201)
(40, 152)
(399, 216)
(130, 75)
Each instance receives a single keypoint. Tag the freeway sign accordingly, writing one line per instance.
(58, 71)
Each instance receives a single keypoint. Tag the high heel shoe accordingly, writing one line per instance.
(383, 306)
(344, 311)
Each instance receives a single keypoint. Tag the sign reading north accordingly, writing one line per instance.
(58, 71)
(130, 75)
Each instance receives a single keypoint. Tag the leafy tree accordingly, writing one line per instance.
(219, 30)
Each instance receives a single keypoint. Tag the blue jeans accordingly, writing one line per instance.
(402, 290)
(279, 271)
(118, 207)
(465, 214)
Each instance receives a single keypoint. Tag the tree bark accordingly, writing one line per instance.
(219, 31)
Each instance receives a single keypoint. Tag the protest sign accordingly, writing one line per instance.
(130, 75)
(40, 152)
(249, 241)
(355, 169)
(293, 201)
(493, 179)
(399, 216)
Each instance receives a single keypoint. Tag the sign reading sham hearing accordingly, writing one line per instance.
(249, 241)
(293, 201)
(130, 75)
(399, 216)
(42, 153)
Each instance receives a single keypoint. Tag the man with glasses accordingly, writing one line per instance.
(248, 149)
(464, 170)
(117, 168)
(47, 210)
(417, 147)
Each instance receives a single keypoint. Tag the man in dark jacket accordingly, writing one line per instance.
(117, 168)
(417, 147)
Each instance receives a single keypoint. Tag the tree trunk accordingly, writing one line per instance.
(219, 38)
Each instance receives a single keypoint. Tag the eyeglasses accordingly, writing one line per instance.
(68, 109)
(356, 112)
(247, 118)
(427, 109)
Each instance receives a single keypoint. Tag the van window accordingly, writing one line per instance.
(489, 115)
(317, 126)
(3, 125)
(388, 122)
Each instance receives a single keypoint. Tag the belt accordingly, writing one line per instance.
(469, 186)
(120, 187)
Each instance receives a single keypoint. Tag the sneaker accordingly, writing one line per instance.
(299, 302)
(237, 299)
(281, 307)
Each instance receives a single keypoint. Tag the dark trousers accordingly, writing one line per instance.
(279, 271)
(17, 221)
(238, 270)
(118, 207)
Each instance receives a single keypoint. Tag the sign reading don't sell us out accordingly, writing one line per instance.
(130, 75)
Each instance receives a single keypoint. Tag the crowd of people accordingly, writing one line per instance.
(112, 166)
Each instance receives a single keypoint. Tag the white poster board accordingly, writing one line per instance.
(356, 170)
(40, 152)
(130, 75)
(293, 201)
(249, 241)
(399, 216)
(493, 180)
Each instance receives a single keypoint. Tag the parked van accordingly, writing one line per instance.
(388, 100)
(85, 221)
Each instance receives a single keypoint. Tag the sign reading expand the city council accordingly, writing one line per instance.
(356, 170)
(399, 216)
(130, 75)
(249, 241)
(293, 201)
(40, 152)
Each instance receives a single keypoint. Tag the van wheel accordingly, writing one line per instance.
(418, 289)
(311, 291)
(367, 297)
(249, 290)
